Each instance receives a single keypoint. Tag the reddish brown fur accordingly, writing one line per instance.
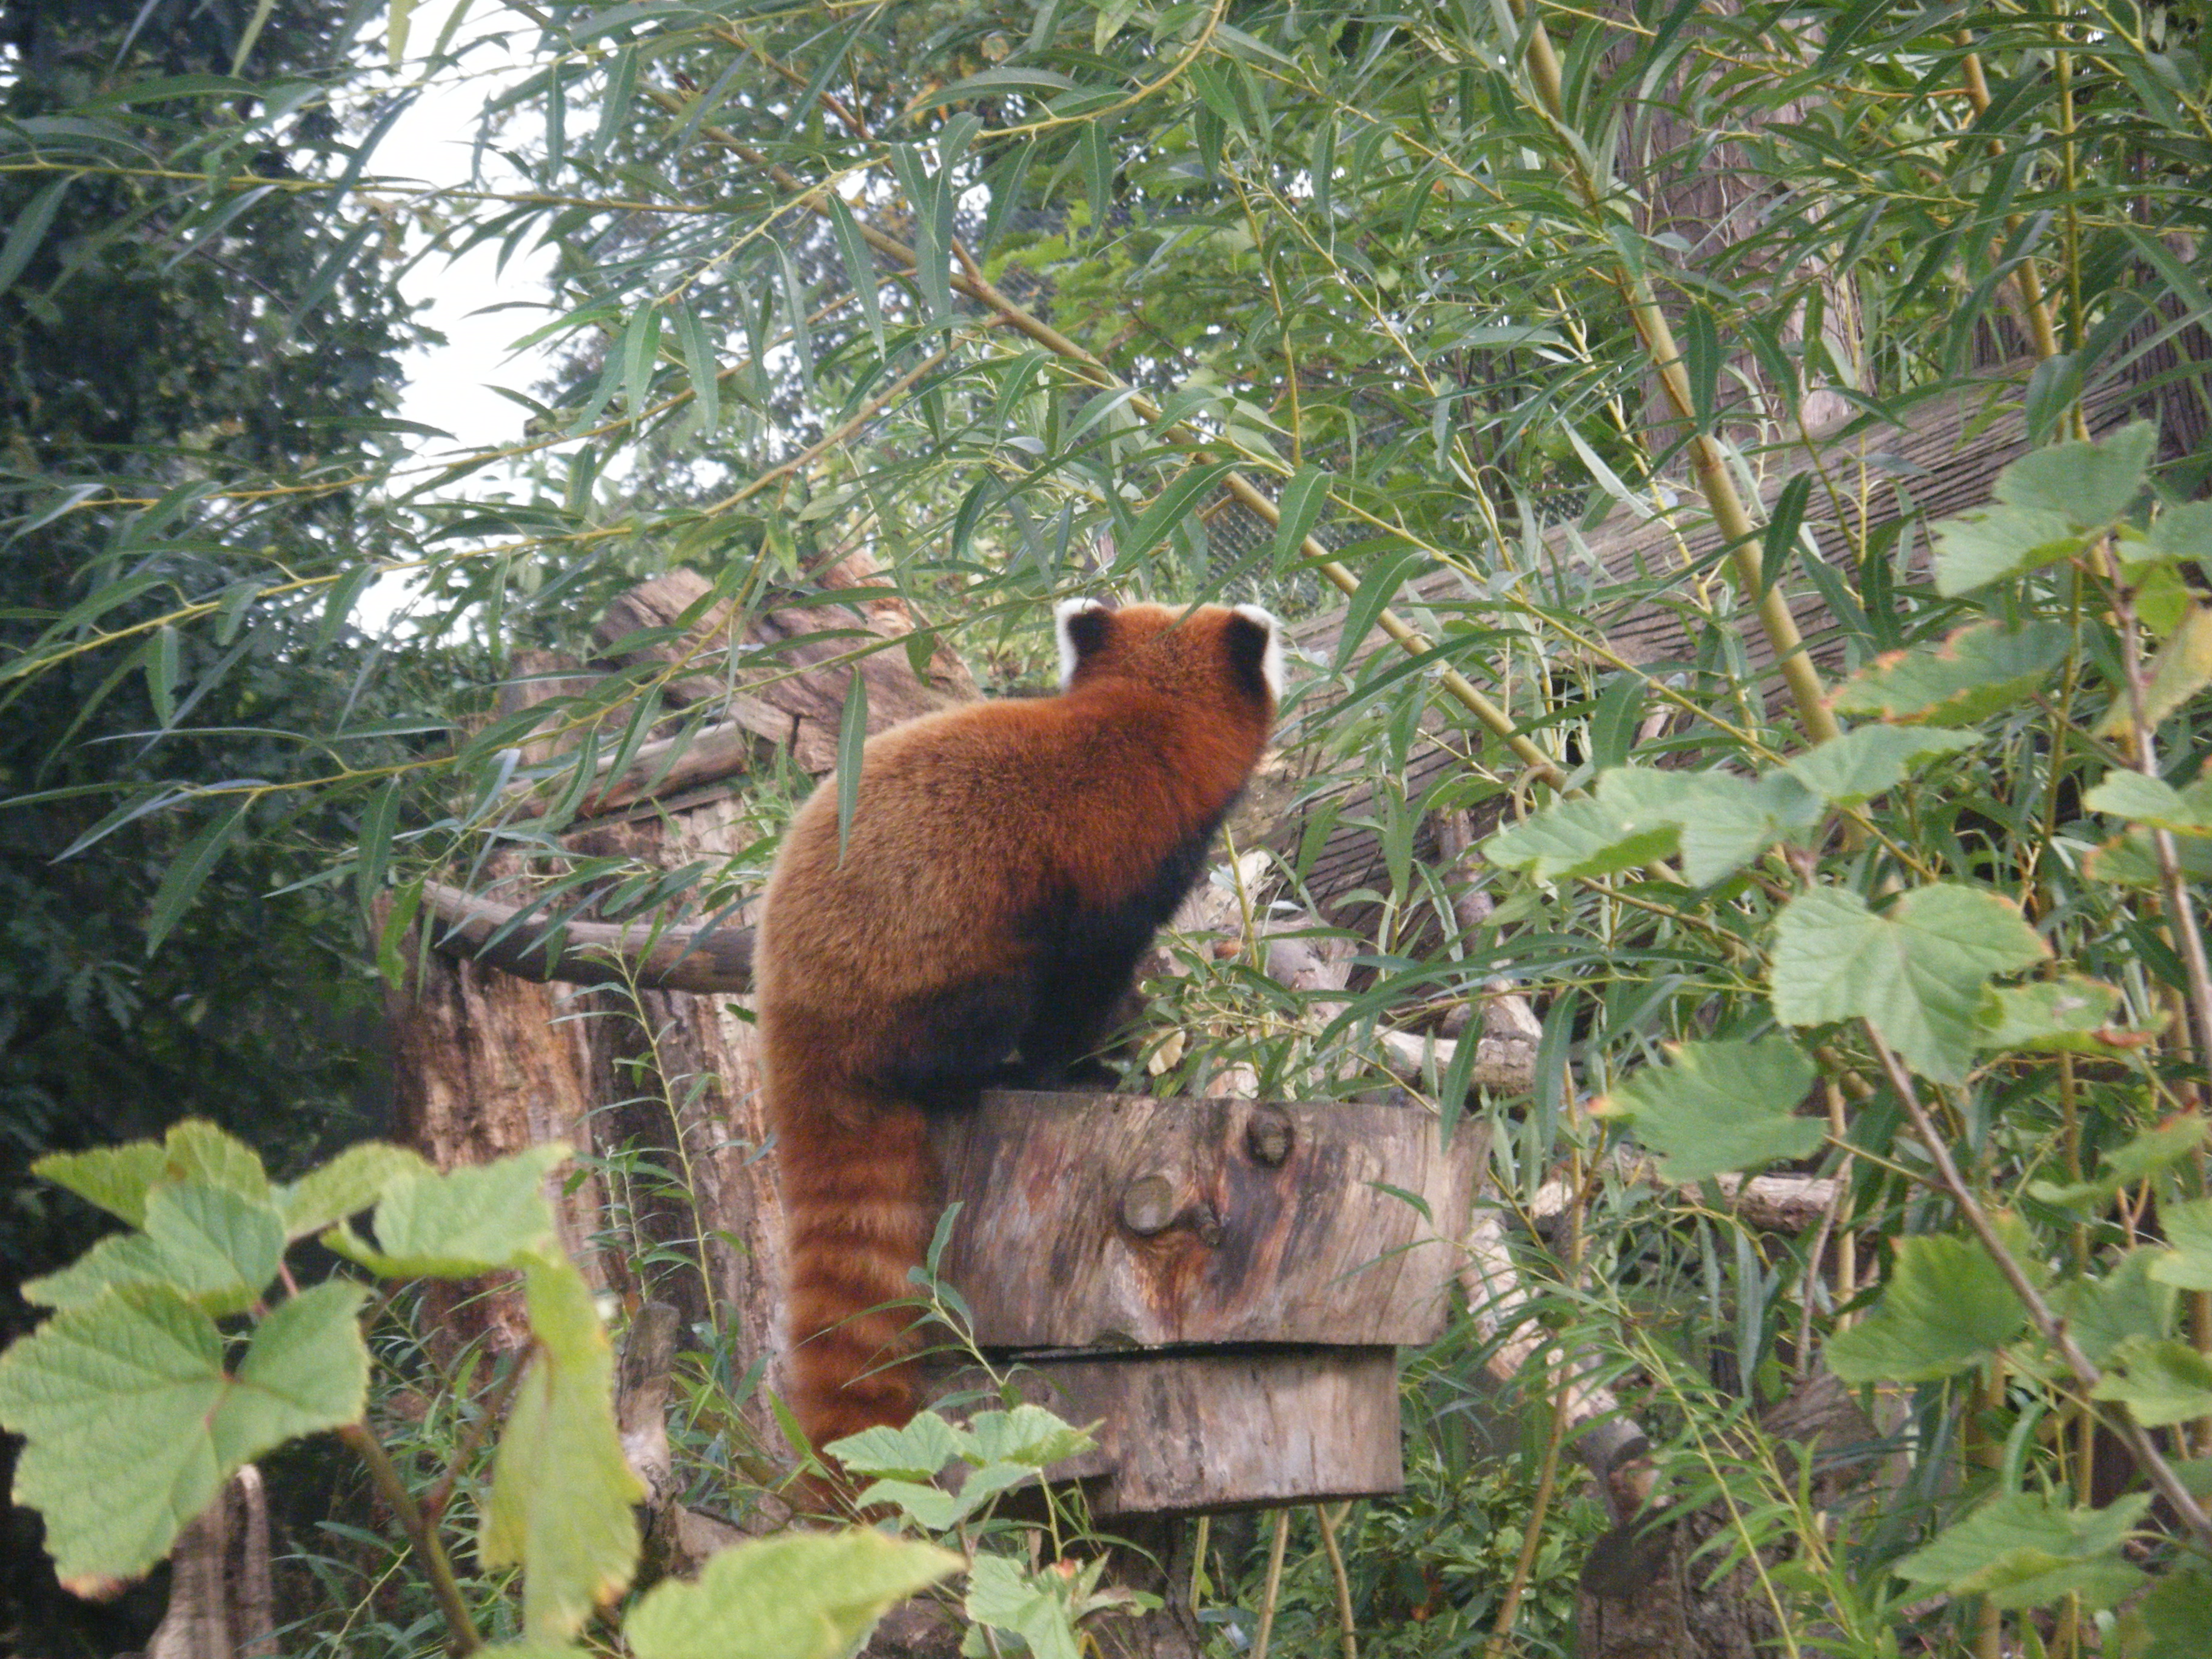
(989, 845)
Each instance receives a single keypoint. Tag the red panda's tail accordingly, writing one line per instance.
(858, 1201)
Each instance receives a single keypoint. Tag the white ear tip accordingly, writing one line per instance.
(1063, 614)
(1271, 660)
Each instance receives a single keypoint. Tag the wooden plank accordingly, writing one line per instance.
(1123, 1221)
(1188, 1433)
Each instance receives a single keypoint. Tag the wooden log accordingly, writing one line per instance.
(1189, 1434)
(680, 956)
(1123, 1221)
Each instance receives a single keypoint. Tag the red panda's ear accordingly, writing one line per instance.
(1083, 626)
(1256, 650)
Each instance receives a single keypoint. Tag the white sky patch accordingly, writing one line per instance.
(450, 387)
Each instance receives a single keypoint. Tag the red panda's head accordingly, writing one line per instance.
(1209, 652)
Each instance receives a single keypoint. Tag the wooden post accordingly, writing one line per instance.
(1221, 1285)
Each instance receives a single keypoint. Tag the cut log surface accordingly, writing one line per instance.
(1122, 1221)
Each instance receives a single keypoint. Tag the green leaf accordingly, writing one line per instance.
(1628, 821)
(802, 1595)
(2024, 1549)
(931, 1508)
(196, 1150)
(561, 1487)
(132, 1425)
(1726, 822)
(2155, 802)
(2157, 1148)
(2181, 532)
(2181, 668)
(2046, 1015)
(2177, 1615)
(2131, 859)
(916, 1452)
(1946, 1306)
(195, 862)
(1915, 973)
(29, 230)
(2186, 1263)
(458, 1223)
(2160, 1381)
(1008, 77)
(2091, 485)
(1717, 1106)
(116, 1178)
(1983, 547)
(852, 745)
(1977, 671)
(1303, 498)
(1005, 1595)
(1872, 760)
(1028, 1435)
(2127, 1303)
(218, 1247)
(353, 1180)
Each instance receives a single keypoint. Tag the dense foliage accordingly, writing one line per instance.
(1414, 310)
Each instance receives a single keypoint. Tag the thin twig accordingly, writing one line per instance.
(1329, 1525)
(1274, 1585)
(420, 1537)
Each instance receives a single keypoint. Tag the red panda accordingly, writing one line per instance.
(1008, 863)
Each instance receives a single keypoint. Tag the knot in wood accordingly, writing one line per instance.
(1267, 1137)
(1148, 1205)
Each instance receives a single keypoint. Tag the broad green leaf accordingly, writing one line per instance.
(1028, 1435)
(132, 1425)
(2175, 1616)
(2181, 668)
(1726, 822)
(1979, 671)
(1717, 1106)
(1631, 818)
(457, 1223)
(2155, 802)
(197, 1151)
(1998, 542)
(2046, 1015)
(1872, 760)
(2091, 485)
(2157, 1148)
(1946, 1306)
(802, 1595)
(2186, 1262)
(2024, 1549)
(2160, 1381)
(353, 1180)
(2181, 532)
(215, 1246)
(1005, 1596)
(116, 1178)
(2131, 859)
(916, 1452)
(1915, 973)
(1582, 837)
(2127, 1303)
(561, 1487)
(931, 1508)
